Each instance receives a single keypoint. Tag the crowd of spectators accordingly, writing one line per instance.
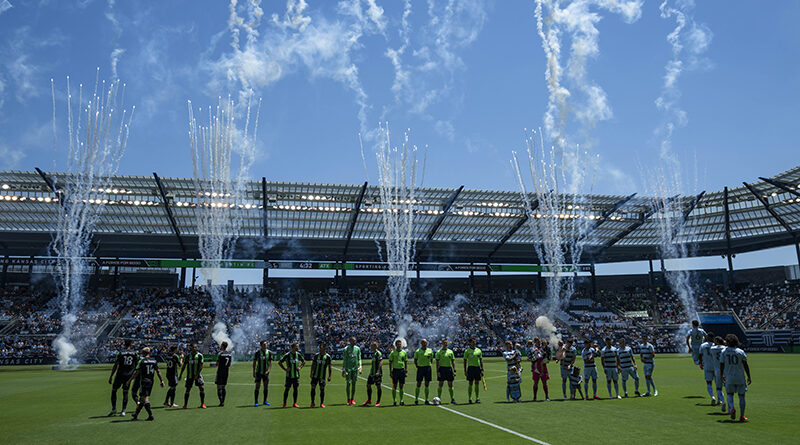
(772, 306)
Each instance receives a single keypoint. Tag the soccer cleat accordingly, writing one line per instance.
(742, 419)
(620, 397)
(469, 401)
(112, 413)
(416, 402)
(626, 395)
(296, 405)
(284, 406)
(184, 407)
(377, 403)
(367, 403)
(203, 406)
(655, 394)
(149, 419)
(587, 398)
(312, 405)
(723, 408)
(548, 399)
(402, 403)
(638, 394)
(394, 404)
(255, 405)
(134, 418)
(322, 405)
(175, 405)
(266, 403)
(733, 413)
(477, 400)
(596, 398)
(647, 394)
(427, 402)
(122, 414)
(453, 402)
(713, 401)
(221, 405)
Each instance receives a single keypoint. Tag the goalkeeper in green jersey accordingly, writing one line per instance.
(351, 368)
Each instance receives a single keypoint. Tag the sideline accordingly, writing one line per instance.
(487, 423)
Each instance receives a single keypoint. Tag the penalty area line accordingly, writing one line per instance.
(485, 422)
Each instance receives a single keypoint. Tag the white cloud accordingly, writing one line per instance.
(5, 5)
(10, 159)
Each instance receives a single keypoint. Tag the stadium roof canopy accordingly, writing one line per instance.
(305, 221)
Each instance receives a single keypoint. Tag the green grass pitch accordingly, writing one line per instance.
(38, 405)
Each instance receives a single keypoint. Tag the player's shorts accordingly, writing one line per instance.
(172, 380)
(374, 379)
(717, 378)
(146, 388)
(195, 381)
(445, 374)
(399, 376)
(630, 371)
(473, 373)
(292, 381)
(696, 355)
(262, 377)
(543, 376)
(590, 373)
(708, 374)
(611, 374)
(424, 373)
(514, 391)
(121, 381)
(736, 388)
(565, 372)
(222, 377)
(351, 374)
(320, 382)
(648, 368)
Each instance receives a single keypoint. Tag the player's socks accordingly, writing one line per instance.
(625, 387)
(586, 387)
(294, 396)
(394, 395)
(285, 395)
(546, 392)
(636, 385)
(477, 391)
(369, 392)
(147, 408)
(427, 389)
(255, 396)
(535, 388)
(730, 401)
(379, 391)
(469, 392)
(124, 399)
(113, 400)
(416, 393)
(313, 394)
(139, 407)
(616, 388)
(608, 384)
(710, 390)
(564, 388)
(347, 390)
(266, 390)
(720, 397)
(321, 395)
(440, 391)
(594, 387)
(452, 397)
(202, 397)
(741, 405)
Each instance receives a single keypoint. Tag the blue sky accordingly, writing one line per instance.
(466, 76)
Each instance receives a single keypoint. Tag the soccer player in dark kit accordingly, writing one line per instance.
(145, 371)
(193, 365)
(124, 366)
(173, 362)
(224, 360)
(320, 366)
(262, 366)
(292, 363)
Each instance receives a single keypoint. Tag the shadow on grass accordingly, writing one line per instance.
(718, 413)
(694, 397)
(736, 422)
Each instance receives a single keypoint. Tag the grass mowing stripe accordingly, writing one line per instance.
(468, 416)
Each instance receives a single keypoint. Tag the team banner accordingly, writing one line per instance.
(308, 265)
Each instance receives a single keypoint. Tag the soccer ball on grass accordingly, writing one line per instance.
(437, 401)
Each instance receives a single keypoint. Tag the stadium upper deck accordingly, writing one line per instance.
(305, 221)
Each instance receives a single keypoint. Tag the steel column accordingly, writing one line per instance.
(439, 220)
(728, 254)
(168, 211)
(5, 274)
(353, 219)
(518, 225)
(603, 217)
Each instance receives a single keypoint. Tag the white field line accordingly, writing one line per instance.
(487, 423)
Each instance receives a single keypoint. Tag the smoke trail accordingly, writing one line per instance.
(94, 149)
(221, 197)
(397, 179)
(579, 23)
(544, 328)
(688, 41)
(443, 325)
(116, 53)
(253, 326)
(561, 218)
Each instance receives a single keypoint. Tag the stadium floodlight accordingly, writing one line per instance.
(6, 187)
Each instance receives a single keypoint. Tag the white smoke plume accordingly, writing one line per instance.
(444, 325)
(544, 328)
(220, 334)
(688, 42)
(578, 22)
(116, 53)
(5, 5)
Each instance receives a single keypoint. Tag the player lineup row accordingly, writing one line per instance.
(130, 369)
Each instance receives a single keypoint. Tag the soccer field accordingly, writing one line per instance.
(38, 405)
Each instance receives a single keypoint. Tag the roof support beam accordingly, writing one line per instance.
(781, 185)
(771, 211)
(353, 220)
(168, 211)
(439, 220)
(686, 214)
(52, 186)
(518, 225)
(727, 222)
(596, 224)
(657, 206)
(264, 208)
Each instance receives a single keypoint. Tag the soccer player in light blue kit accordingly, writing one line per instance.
(716, 354)
(610, 361)
(588, 354)
(566, 365)
(707, 365)
(647, 353)
(694, 339)
(734, 368)
(627, 364)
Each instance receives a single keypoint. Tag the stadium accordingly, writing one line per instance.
(266, 289)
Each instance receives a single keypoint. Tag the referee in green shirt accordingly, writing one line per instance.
(473, 369)
(423, 357)
(398, 361)
(446, 369)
